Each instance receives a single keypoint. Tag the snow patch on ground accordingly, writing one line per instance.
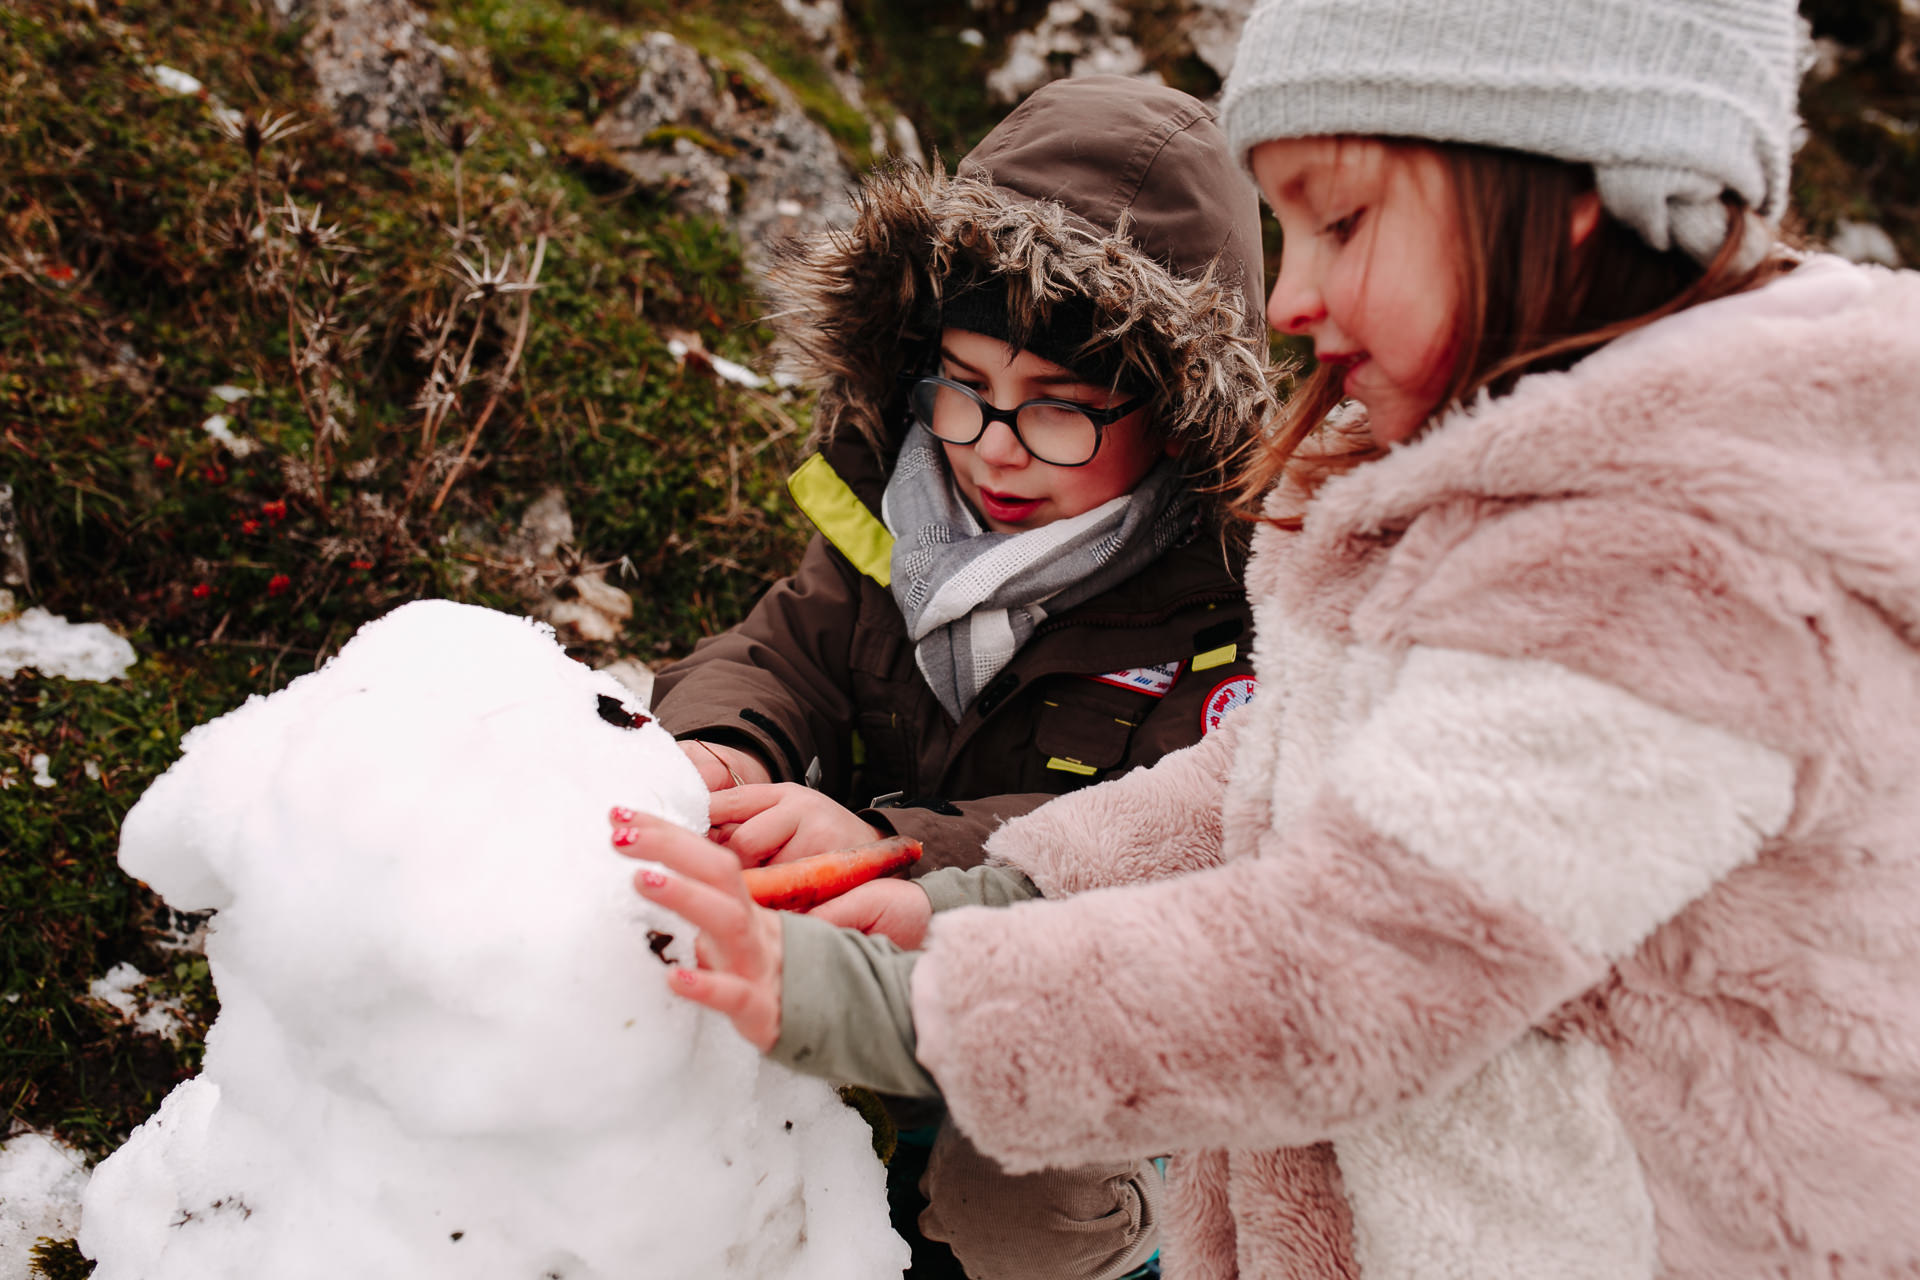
(119, 991)
(55, 647)
(41, 1180)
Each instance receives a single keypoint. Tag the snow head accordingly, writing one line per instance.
(445, 1044)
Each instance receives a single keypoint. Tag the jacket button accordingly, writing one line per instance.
(996, 692)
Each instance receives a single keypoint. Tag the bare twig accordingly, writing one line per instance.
(505, 378)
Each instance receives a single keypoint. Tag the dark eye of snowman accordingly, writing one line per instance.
(618, 716)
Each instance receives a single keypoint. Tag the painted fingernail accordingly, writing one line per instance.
(624, 837)
(683, 977)
(653, 879)
(622, 815)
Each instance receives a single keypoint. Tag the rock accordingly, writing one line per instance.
(376, 69)
(580, 623)
(1215, 31)
(577, 599)
(1864, 242)
(13, 550)
(699, 130)
(825, 22)
(544, 529)
(634, 675)
(1074, 38)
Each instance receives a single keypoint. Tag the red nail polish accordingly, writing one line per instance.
(624, 837)
(622, 815)
(683, 976)
(653, 879)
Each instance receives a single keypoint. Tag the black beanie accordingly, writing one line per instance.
(1070, 325)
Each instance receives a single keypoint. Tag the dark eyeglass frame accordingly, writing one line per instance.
(1100, 418)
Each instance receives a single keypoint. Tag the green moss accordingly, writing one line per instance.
(58, 1260)
(912, 55)
(886, 1135)
(668, 134)
(67, 912)
(124, 302)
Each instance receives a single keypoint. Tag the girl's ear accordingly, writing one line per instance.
(1586, 216)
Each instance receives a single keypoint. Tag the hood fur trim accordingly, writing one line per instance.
(845, 304)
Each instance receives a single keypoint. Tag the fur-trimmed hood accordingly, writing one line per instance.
(1103, 188)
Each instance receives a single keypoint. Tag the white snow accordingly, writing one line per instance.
(149, 1016)
(55, 647)
(1864, 242)
(219, 427)
(445, 1047)
(730, 370)
(40, 1184)
(174, 81)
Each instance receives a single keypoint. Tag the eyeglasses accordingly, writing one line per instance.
(1057, 432)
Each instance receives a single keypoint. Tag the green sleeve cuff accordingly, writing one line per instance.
(985, 886)
(845, 1009)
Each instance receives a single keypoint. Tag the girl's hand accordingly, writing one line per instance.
(738, 950)
(724, 767)
(781, 821)
(896, 909)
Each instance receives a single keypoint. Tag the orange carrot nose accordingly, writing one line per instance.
(805, 883)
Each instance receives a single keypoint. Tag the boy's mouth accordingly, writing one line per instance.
(1006, 507)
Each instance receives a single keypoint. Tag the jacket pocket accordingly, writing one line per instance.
(1086, 731)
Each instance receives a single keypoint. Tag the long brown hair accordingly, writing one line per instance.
(1531, 301)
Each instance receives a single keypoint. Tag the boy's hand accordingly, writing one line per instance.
(724, 767)
(738, 950)
(778, 822)
(896, 909)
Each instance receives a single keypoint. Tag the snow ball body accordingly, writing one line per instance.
(445, 1047)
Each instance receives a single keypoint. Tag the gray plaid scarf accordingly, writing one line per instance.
(972, 597)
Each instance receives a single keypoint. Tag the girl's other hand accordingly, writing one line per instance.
(722, 768)
(781, 821)
(896, 909)
(738, 951)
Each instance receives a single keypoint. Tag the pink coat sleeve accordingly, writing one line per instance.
(1266, 1002)
(1145, 825)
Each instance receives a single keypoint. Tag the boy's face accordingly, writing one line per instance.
(1010, 489)
(1369, 269)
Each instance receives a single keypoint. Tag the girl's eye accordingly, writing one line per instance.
(1342, 229)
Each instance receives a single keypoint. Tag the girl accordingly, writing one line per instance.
(1561, 914)
(1032, 373)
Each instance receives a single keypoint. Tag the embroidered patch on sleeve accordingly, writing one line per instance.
(1152, 681)
(1228, 694)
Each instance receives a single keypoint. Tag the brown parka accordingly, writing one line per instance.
(1102, 189)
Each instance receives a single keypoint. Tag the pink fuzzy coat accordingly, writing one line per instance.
(1555, 909)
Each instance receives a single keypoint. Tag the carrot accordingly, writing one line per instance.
(805, 883)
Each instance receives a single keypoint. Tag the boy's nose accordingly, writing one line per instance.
(1295, 305)
(1000, 447)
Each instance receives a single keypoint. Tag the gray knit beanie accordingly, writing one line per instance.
(1671, 101)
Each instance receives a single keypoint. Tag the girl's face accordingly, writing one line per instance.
(1369, 269)
(1008, 487)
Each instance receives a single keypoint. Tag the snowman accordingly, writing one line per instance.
(445, 1045)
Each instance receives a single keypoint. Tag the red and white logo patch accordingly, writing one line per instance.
(1228, 694)
(1152, 681)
